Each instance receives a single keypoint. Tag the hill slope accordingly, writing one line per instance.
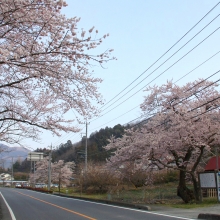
(7, 154)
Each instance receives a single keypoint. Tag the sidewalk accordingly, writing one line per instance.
(189, 213)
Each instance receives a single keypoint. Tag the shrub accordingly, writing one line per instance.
(38, 189)
(166, 176)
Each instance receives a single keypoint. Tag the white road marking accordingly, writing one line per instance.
(9, 208)
(120, 207)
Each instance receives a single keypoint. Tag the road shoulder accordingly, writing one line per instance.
(4, 212)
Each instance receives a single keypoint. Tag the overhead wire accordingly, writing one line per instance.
(188, 96)
(218, 97)
(65, 137)
(210, 101)
(174, 83)
(162, 72)
(207, 110)
(197, 66)
(117, 117)
(181, 101)
(164, 53)
(163, 62)
(177, 103)
(159, 75)
(158, 60)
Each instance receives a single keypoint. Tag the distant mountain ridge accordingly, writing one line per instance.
(7, 154)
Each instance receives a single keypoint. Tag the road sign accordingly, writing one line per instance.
(35, 156)
(207, 180)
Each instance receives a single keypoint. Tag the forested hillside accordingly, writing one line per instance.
(76, 151)
(95, 152)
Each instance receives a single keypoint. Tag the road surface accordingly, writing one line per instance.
(30, 205)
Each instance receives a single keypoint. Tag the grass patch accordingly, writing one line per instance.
(130, 194)
(161, 194)
(205, 203)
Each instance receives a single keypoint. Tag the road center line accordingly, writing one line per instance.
(60, 207)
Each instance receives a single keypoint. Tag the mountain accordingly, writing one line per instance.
(7, 154)
(95, 151)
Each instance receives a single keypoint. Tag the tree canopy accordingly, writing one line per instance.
(60, 172)
(45, 63)
(181, 131)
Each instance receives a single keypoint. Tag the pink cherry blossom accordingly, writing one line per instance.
(44, 70)
(182, 128)
(60, 172)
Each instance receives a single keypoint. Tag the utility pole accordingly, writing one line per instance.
(216, 153)
(86, 141)
(49, 168)
(34, 171)
(59, 179)
(3, 165)
(12, 171)
(31, 173)
(86, 148)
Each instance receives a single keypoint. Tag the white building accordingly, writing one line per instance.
(6, 177)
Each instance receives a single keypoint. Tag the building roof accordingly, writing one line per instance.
(211, 165)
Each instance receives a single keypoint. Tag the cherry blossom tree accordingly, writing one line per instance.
(61, 172)
(183, 129)
(45, 62)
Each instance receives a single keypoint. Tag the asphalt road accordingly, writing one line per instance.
(30, 205)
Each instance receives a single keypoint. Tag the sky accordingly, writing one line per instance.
(141, 32)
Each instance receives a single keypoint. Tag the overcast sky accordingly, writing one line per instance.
(142, 31)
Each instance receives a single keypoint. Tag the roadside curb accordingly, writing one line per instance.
(209, 216)
(109, 202)
(204, 216)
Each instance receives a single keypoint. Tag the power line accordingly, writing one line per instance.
(164, 70)
(174, 83)
(207, 110)
(164, 53)
(176, 124)
(205, 104)
(197, 66)
(68, 135)
(199, 84)
(218, 97)
(189, 97)
(117, 117)
(188, 89)
(162, 63)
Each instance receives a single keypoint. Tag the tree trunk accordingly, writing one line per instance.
(196, 188)
(183, 192)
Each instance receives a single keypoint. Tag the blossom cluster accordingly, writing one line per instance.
(45, 69)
